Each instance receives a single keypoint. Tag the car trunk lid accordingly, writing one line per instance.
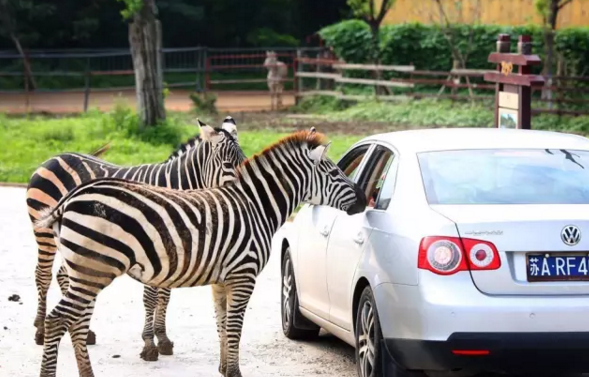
(519, 230)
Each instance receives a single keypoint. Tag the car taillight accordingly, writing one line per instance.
(448, 255)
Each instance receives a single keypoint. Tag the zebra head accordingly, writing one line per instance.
(329, 185)
(271, 59)
(224, 157)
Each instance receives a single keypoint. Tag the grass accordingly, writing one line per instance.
(28, 142)
(431, 113)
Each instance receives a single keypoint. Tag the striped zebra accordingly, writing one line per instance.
(169, 238)
(208, 160)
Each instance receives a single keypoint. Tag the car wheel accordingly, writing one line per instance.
(292, 318)
(368, 337)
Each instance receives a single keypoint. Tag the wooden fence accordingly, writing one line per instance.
(331, 78)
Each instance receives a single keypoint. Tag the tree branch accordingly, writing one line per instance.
(563, 4)
(371, 10)
(384, 7)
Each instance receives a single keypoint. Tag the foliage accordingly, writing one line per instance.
(319, 105)
(432, 113)
(426, 48)
(268, 37)
(204, 103)
(131, 8)
(185, 23)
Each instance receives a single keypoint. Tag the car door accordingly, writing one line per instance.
(349, 237)
(315, 226)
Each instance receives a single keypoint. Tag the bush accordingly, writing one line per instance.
(204, 103)
(426, 47)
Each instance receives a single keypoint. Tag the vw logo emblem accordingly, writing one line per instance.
(570, 235)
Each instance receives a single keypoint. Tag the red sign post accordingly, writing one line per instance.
(513, 91)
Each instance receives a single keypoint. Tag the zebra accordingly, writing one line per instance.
(277, 72)
(207, 160)
(169, 238)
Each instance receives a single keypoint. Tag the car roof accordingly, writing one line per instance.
(440, 139)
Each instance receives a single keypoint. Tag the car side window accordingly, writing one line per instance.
(375, 181)
(351, 161)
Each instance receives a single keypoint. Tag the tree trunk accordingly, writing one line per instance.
(27, 66)
(377, 75)
(549, 28)
(145, 42)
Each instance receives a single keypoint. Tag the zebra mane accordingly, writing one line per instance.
(309, 137)
(191, 144)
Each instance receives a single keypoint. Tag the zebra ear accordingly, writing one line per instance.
(208, 133)
(319, 153)
(230, 126)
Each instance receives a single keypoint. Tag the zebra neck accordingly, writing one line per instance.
(180, 173)
(274, 189)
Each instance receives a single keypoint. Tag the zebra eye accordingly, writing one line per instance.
(334, 173)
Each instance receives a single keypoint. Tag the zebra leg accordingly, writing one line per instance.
(238, 296)
(279, 96)
(80, 332)
(220, 302)
(149, 352)
(46, 255)
(164, 345)
(70, 309)
(64, 282)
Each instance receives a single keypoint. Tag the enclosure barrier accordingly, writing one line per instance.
(453, 80)
(202, 69)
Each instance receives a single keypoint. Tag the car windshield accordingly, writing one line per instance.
(506, 176)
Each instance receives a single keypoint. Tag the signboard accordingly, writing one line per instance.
(507, 118)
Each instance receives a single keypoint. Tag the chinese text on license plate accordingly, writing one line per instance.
(565, 266)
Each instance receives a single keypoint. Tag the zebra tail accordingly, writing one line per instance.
(101, 150)
(49, 216)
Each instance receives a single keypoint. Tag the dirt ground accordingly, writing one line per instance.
(73, 102)
(118, 321)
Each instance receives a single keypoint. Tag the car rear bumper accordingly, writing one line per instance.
(442, 306)
(507, 352)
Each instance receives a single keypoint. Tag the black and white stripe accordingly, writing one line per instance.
(208, 160)
(169, 238)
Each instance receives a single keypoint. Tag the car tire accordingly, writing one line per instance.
(368, 337)
(294, 325)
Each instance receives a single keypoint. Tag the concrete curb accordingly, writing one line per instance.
(13, 184)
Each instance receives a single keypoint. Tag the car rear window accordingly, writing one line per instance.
(506, 176)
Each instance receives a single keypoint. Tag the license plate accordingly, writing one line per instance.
(569, 267)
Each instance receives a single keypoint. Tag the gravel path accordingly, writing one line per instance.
(118, 321)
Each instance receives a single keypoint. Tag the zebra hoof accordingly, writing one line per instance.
(149, 353)
(166, 347)
(223, 369)
(91, 339)
(39, 337)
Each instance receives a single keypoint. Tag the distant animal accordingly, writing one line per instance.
(277, 72)
(207, 160)
(168, 238)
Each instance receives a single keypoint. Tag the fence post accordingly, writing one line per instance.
(207, 69)
(197, 86)
(87, 85)
(299, 80)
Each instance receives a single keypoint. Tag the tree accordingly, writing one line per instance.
(145, 43)
(548, 10)
(366, 11)
(14, 15)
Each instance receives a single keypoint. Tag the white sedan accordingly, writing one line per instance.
(473, 255)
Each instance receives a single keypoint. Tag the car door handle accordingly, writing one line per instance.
(359, 239)
(324, 232)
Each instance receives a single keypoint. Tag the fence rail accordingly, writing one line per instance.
(203, 69)
(329, 72)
